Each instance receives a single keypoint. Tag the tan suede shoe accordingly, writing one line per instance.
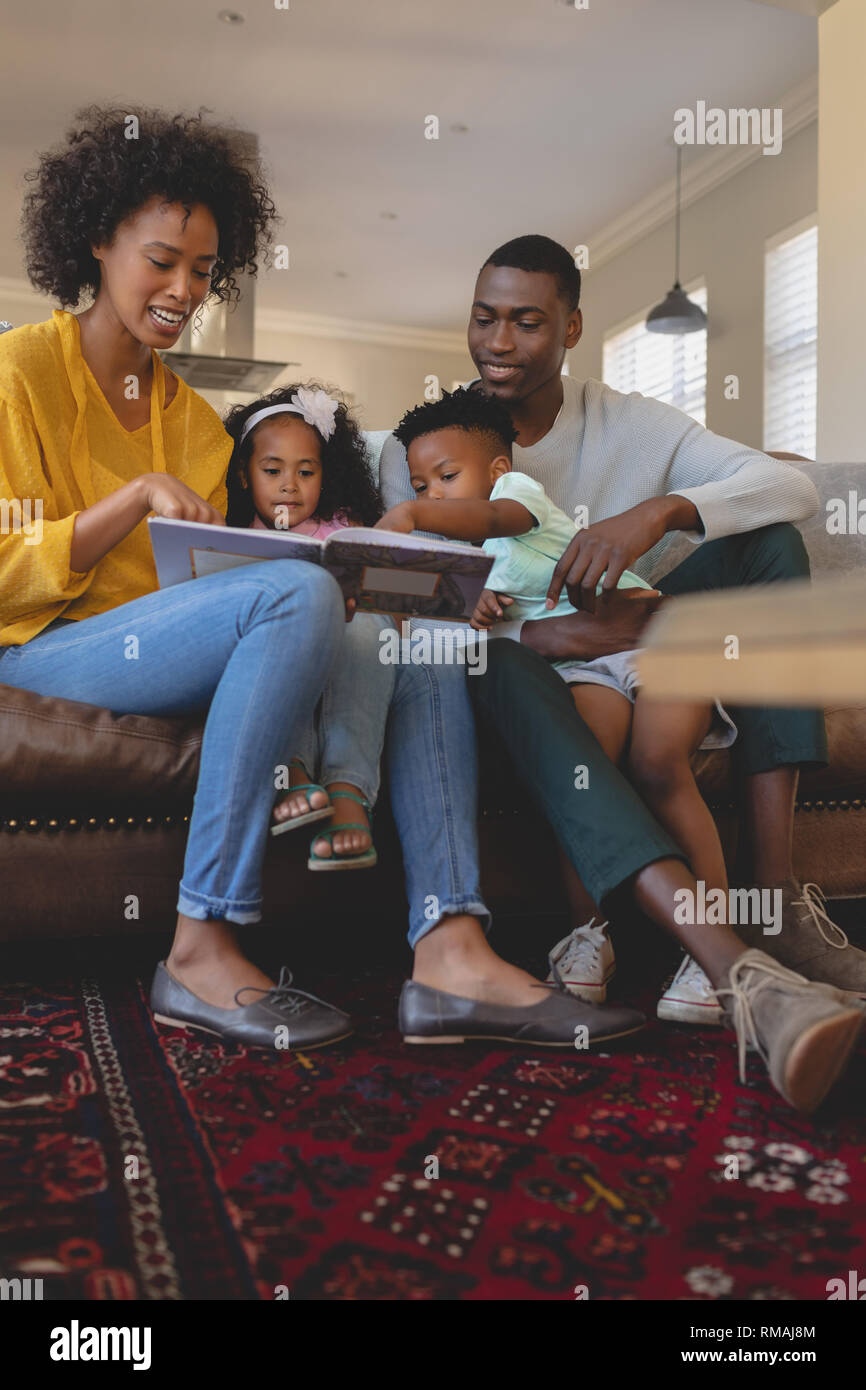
(811, 943)
(804, 1031)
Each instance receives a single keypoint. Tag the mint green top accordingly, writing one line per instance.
(523, 565)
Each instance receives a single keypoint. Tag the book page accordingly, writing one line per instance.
(387, 572)
(185, 550)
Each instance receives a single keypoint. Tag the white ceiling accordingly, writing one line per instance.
(570, 116)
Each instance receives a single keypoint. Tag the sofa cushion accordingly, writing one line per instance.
(59, 755)
(830, 555)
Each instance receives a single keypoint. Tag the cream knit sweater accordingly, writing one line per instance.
(607, 452)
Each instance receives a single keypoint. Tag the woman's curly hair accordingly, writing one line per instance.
(347, 480)
(86, 187)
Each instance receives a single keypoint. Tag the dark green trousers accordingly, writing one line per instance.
(596, 815)
(766, 738)
(603, 826)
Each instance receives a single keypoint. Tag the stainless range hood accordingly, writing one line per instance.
(218, 356)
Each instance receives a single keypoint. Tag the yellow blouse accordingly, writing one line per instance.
(61, 445)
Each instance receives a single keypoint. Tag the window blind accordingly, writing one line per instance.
(791, 342)
(673, 369)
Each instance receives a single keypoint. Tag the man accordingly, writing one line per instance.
(643, 471)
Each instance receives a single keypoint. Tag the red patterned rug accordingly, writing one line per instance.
(138, 1163)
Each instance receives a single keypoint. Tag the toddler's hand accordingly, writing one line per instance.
(398, 518)
(488, 610)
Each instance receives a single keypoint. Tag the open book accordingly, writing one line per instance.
(386, 572)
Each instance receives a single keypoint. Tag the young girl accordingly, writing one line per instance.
(299, 465)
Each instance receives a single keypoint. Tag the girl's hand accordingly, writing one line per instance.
(488, 610)
(168, 496)
(399, 518)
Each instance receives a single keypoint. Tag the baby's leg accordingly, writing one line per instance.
(608, 714)
(664, 736)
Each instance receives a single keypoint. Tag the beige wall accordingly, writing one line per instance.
(384, 380)
(723, 236)
(842, 233)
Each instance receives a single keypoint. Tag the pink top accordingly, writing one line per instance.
(313, 526)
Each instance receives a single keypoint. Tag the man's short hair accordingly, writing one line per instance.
(462, 410)
(539, 253)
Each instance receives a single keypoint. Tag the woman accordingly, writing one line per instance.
(99, 434)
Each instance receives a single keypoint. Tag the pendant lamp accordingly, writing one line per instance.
(676, 313)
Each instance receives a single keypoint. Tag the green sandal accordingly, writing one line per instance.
(293, 822)
(365, 860)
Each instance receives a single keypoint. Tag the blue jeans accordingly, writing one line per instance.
(433, 780)
(252, 646)
(343, 742)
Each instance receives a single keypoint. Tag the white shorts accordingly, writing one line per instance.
(619, 672)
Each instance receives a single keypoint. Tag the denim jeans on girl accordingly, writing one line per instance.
(343, 742)
(253, 646)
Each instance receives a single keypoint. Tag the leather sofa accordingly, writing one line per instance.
(94, 808)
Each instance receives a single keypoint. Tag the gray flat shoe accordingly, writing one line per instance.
(285, 1019)
(432, 1016)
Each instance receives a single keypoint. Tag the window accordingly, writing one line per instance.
(673, 369)
(791, 340)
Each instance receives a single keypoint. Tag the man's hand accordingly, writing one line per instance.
(399, 518)
(168, 496)
(616, 626)
(610, 547)
(488, 610)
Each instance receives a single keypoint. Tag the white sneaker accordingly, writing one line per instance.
(690, 998)
(583, 962)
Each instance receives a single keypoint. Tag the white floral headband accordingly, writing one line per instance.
(316, 407)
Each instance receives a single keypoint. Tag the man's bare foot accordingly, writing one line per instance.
(345, 841)
(301, 803)
(206, 959)
(456, 958)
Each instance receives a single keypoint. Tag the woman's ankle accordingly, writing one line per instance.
(198, 942)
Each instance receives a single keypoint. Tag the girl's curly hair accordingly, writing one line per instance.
(347, 480)
(86, 187)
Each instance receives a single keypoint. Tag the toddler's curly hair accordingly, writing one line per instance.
(462, 409)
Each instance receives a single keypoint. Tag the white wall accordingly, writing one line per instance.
(723, 236)
(841, 248)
